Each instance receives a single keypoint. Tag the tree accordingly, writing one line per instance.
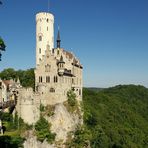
(2, 44)
(27, 77)
(71, 98)
(43, 132)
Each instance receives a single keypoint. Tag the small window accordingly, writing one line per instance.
(53, 51)
(48, 79)
(52, 90)
(40, 38)
(39, 50)
(40, 79)
(47, 20)
(47, 28)
(80, 92)
(58, 52)
(47, 68)
(72, 81)
(55, 79)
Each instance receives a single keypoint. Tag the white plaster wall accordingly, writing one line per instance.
(45, 28)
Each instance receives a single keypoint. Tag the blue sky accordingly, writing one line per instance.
(109, 36)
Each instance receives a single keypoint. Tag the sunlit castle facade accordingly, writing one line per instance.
(57, 70)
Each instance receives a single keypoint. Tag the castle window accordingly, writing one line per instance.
(47, 20)
(47, 28)
(52, 90)
(47, 68)
(72, 81)
(48, 79)
(80, 92)
(53, 51)
(58, 52)
(55, 79)
(40, 79)
(40, 38)
(39, 50)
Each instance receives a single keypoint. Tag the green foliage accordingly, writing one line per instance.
(6, 117)
(27, 77)
(2, 44)
(117, 116)
(8, 74)
(42, 107)
(11, 142)
(43, 132)
(81, 138)
(47, 110)
(71, 98)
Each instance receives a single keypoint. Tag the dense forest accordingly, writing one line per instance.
(115, 117)
(26, 77)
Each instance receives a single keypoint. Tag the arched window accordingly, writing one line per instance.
(40, 38)
(47, 20)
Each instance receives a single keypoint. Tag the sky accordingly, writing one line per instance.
(110, 37)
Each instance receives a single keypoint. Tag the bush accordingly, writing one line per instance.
(71, 98)
(43, 132)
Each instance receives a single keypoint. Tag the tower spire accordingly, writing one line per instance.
(58, 39)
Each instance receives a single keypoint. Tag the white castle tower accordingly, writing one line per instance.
(44, 34)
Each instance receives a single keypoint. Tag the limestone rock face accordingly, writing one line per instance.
(63, 122)
(31, 142)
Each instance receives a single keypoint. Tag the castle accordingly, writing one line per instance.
(57, 71)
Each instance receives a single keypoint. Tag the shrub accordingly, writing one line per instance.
(43, 132)
(71, 98)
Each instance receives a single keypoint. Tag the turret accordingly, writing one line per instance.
(61, 66)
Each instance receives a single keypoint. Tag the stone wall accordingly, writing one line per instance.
(28, 105)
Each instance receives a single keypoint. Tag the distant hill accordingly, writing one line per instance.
(94, 88)
(116, 117)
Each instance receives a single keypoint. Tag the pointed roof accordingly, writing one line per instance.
(58, 37)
